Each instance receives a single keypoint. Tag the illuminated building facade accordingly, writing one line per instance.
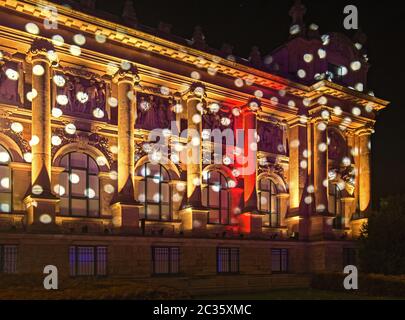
(84, 188)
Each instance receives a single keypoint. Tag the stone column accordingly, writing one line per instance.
(298, 217)
(194, 216)
(282, 199)
(125, 211)
(320, 222)
(320, 152)
(194, 147)
(41, 202)
(250, 221)
(364, 169)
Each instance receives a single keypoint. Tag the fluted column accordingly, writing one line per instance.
(250, 221)
(250, 153)
(194, 216)
(40, 201)
(126, 129)
(364, 169)
(297, 216)
(320, 151)
(125, 210)
(194, 147)
(41, 115)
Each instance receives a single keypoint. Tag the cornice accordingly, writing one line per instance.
(134, 38)
(141, 40)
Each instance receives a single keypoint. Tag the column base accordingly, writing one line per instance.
(250, 223)
(125, 217)
(356, 226)
(41, 213)
(321, 227)
(194, 219)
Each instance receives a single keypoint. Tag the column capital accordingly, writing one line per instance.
(197, 91)
(297, 122)
(367, 130)
(129, 75)
(253, 105)
(42, 50)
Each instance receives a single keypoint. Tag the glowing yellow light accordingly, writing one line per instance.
(57, 40)
(34, 141)
(32, 28)
(56, 112)
(70, 128)
(17, 127)
(12, 74)
(56, 141)
(108, 188)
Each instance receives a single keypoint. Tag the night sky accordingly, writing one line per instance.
(266, 23)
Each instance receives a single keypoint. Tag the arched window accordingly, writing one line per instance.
(5, 181)
(268, 203)
(335, 205)
(215, 196)
(79, 186)
(155, 192)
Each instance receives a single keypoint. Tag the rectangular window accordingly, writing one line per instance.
(88, 261)
(279, 260)
(8, 258)
(166, 260)
(349, 257)
(228, 260)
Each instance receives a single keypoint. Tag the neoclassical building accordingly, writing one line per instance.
(84, 187)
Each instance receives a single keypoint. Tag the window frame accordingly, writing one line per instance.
(277, 201)
(9, 192)
(95, 261)
(229, 251)
(337, 205)
(71, 197)
(169, 261)
(14, 261)
(205, 192)
(282, 252)
(147, 202)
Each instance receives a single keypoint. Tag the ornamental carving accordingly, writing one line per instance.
(154, 112)
(337, 146)
(9, 73)
(271, 138)
(85, 95)
(17, 137)
(83, 139)
(223, 119)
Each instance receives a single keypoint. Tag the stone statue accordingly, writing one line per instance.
(8, 88)
(91, 4)
(255, 57)
(297, 13)
(128, 13)
(198, 38)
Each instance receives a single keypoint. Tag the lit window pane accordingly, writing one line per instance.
(78, 189)
(153, 212)
(214, 216)
(64, 206)
(165, 193)
(94, 185)
(78, 160)
(79, 207)
(94, 210)
(5, 179)
(93, 168)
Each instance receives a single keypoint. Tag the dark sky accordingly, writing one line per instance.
(265, 23)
